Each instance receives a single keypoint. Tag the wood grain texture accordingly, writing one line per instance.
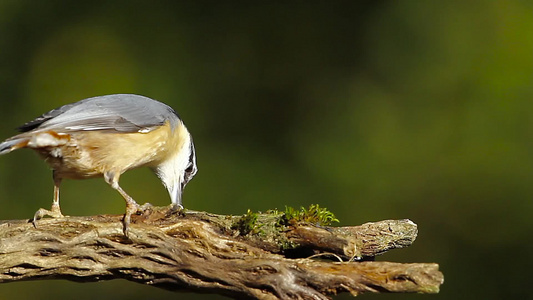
(200, 252)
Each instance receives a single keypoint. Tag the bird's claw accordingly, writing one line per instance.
(144, 207)
(55, 212)
(133, 210)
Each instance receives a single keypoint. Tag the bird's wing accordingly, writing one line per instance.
(121, 112)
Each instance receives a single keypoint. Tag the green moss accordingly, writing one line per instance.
(247, 223)
(312, 215)
(269, 227)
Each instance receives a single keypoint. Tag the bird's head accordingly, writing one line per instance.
(179, 168)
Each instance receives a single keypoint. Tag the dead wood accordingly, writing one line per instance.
(207, 253)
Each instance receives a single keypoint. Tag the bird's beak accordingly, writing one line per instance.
(176, 193)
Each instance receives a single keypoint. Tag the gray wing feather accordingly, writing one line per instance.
(121, 112)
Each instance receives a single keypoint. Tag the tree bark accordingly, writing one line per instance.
(207, 253)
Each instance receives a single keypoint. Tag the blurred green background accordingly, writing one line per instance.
(374, 109)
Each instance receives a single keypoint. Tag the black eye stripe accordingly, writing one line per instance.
(191, 168)
(192, 155)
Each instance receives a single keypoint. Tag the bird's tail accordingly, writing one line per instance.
(13, 144)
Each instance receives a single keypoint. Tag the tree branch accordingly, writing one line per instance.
(208, 253)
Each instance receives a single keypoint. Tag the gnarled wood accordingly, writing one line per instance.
(204, 253)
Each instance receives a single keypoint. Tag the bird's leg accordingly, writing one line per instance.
(131, 206)
(55, 211)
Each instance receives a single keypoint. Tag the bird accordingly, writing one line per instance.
(105, 136)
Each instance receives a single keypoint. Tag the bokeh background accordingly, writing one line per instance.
(374, 109)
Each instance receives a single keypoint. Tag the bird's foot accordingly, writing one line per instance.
(144, 207)
(54, 212)
(132, 209)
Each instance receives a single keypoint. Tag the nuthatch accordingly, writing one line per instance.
(107, 136)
